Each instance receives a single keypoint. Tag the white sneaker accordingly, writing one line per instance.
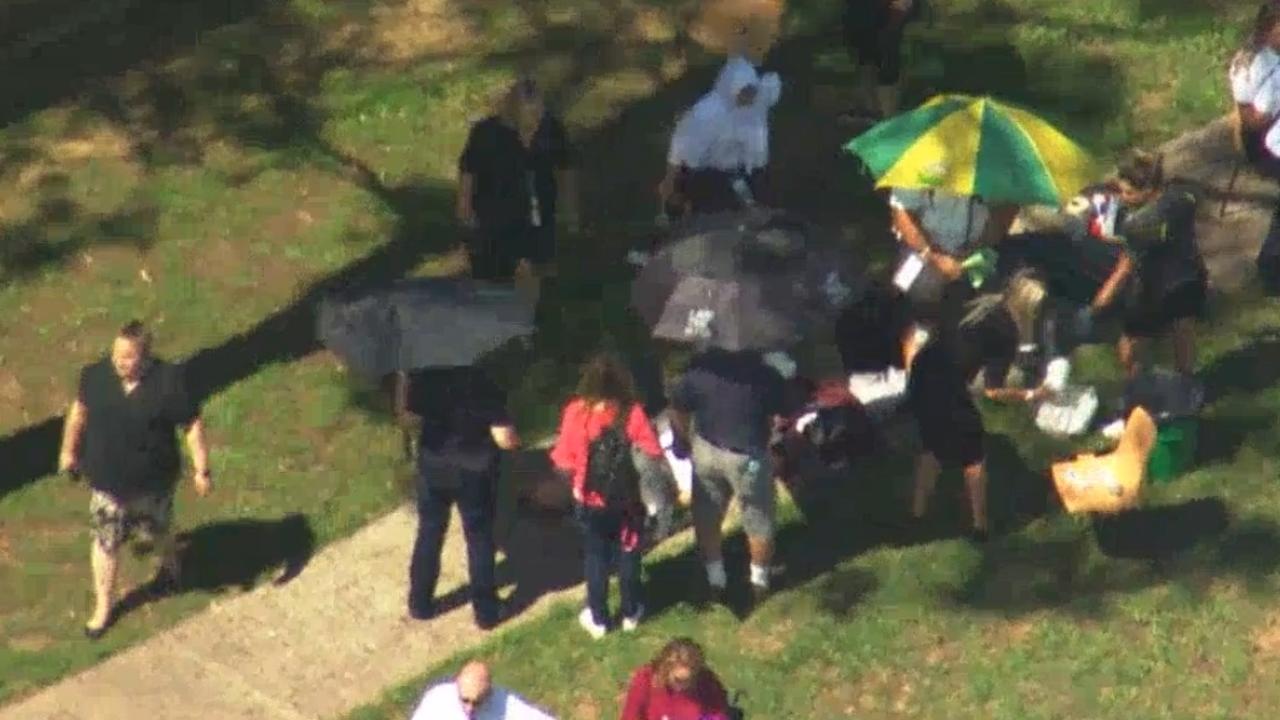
(630, 624)
(589, 624)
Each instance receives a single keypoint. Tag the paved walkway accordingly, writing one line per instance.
(335, 638)
(316, 647)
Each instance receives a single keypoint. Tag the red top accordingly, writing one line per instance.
(707, 701)
(579, 425)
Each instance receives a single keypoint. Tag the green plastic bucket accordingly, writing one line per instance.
(1175, 450)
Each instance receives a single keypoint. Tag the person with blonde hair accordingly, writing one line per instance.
(514, 171)
(676, 685)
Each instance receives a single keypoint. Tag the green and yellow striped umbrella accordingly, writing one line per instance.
(976, 146)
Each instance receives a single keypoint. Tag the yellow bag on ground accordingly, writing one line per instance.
(1111, 482)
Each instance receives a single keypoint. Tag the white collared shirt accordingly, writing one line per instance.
(441, 702)
(1256, 83)
(953, 222)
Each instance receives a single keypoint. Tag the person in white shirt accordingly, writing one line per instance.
(937, 231)
(1255, 86)
(472, 696)
(1254, 75)
(720, 147)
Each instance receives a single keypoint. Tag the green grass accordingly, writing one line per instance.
(280, 154)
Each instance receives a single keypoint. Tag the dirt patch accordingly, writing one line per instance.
(30, 642)
(417, 29)
(586, 708)
(1266, 639)
(767, 641)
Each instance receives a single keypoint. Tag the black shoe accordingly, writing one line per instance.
(165, 583)
(759, 594)
(422, 612)
(709, 596)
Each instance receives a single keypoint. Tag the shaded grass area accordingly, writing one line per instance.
(220, 182)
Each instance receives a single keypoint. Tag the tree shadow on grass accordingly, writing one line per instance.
(234, 555)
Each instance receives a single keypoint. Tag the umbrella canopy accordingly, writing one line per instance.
(752, 281)
(428, 322)
(976, 146)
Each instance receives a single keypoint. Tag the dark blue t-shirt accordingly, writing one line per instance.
(733, 397)
(458, 406)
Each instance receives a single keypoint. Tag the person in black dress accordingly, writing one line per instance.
(514, 167)
(950, 425)
(873, 32)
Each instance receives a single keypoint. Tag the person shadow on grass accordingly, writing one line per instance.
(234, 554)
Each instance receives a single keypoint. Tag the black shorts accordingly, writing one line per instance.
(1151, 316)
(873, 38)
(952, 438)
(707, 190)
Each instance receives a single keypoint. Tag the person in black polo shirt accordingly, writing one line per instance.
(465, 425)
(512, 168)
(731, 401)
(120, 433)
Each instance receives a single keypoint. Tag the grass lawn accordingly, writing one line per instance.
(219, 182)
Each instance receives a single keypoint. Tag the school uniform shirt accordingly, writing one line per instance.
(442, 703)
(717, 134)
(509, 176)
(1256, 82)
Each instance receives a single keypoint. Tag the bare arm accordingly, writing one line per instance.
(466, 214)
(72, 434)
(914, 237)
(198, 446)
(505, 437)
(1106, 294)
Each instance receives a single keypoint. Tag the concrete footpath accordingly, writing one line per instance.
(329, 641)
(336, 637)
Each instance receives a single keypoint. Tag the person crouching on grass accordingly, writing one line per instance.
(120, 433)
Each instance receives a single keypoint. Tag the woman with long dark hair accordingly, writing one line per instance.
(605, 401)
(676, 685)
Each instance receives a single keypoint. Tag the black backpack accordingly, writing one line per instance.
(611, 472)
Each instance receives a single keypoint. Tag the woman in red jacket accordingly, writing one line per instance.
(605, 390)
(676, 685)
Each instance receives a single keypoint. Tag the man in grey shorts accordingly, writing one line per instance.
(730, 400)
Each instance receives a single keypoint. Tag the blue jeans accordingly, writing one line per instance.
(475, 494)
(602, 548)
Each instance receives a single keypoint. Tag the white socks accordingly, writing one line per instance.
(715, 574)
(759, 575)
